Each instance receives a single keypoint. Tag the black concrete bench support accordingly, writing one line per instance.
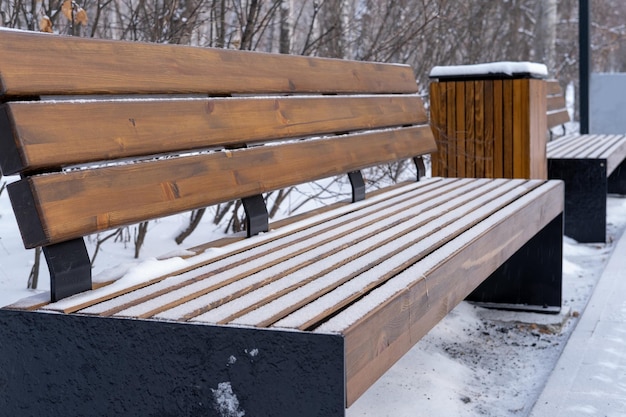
(122, 367)
(617, 180)
(528, 286)
(586, 188)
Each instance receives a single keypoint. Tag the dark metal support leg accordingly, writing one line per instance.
(358, 185)
(71, 365)
(585, 197)
(617, 180)
(70, 268)
(531, 280)
(257, 218)
(421, 168)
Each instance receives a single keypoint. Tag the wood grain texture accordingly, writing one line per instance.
(76, 65)
(398, 324)
(461, 131)
(489, 135)
(438, 125)
(57, 134)
(538, 127)
(78, 203)
(498, 130)
(450, 138)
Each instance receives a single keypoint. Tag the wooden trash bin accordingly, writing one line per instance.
(489, 120)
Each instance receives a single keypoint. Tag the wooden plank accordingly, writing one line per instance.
(616, 155)
(75, 65)
(460, 136)
(558, 118)
(470, 135)
(275, 264)
(498, 129)
(521, 129)
(52, 134)
(438, 125)
(553, 88)
(508, 126)
(451, 130)
(77, 203)
(537, 128)
(489, 128)
(404, 249)
(479, 128)
(384, 335)
(555, 103)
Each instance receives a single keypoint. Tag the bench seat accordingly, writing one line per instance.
(591, 165)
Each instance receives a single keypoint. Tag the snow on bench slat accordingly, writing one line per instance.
(430, 221)
(390, 226)
(493, 68)
(255, 258)
(407, 278)
(446, 227)
(146, 272)
(318, 246)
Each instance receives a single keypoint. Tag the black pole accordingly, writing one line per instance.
(584, 42)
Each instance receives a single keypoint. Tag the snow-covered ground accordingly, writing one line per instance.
(475, 362)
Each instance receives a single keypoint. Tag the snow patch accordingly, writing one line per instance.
(505, 67)
(226, 402)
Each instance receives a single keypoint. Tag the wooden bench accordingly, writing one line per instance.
(591, 165)
(298, 320)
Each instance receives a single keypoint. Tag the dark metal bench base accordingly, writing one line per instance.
(528, 286)
(85, 366)
(586, 187)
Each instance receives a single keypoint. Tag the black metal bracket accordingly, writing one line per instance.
(257, 217)
(70, 268)
(419, 165)
(358, 185)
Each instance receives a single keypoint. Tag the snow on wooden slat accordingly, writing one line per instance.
(254, 257)
(334, 270)
(82, 300)
(322, 252)
(452, 223)
(354, 312)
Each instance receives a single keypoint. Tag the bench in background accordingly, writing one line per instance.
(591, 165)
(300, 318)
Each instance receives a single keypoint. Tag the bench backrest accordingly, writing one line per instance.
(557, 108)
(137, 131)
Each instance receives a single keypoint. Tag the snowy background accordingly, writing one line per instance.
(475, 362)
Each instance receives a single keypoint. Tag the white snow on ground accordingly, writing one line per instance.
(475, 362)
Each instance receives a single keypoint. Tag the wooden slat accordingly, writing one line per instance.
(56, 134)
(553, 88)
(470, 133)
(556, 103)
(508, 128)
(460, 136)
(489, 129)
(75, 65)
(451, 131)
(521, 130)
(557, 119)
(498, 129)
(479, 129)
(77, 203)
(438, 125)
(380, 338)
(537, 139)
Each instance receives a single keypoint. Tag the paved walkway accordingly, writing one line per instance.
(590, 377)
